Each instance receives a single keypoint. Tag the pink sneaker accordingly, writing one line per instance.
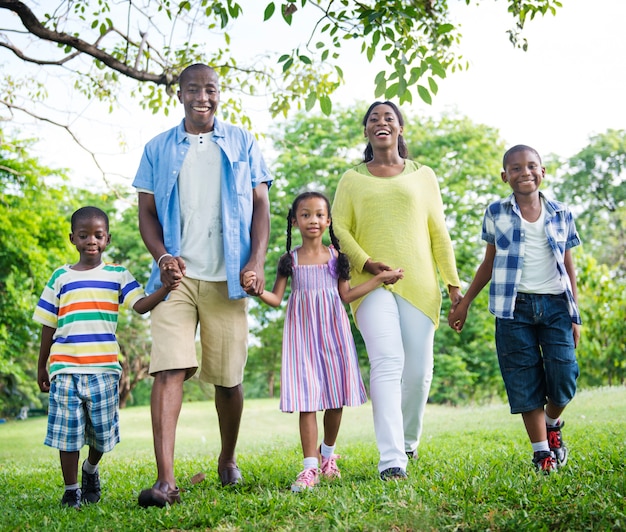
(306, 480)
(329, 466)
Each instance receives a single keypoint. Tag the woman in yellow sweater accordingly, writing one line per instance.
(388, 214)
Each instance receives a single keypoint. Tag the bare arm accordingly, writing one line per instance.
(275, 297)
(147, 303)
(349, 294)
(458, 313)
(259, 237)
(43, 379)
(571, 273)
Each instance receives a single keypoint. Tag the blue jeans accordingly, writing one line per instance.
(536, 353)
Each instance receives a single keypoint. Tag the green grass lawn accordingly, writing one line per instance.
(473, 473)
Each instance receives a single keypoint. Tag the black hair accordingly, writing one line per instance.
(516, 149)
(88, 213)
(403, 151)
(190, 68)
(285, 264)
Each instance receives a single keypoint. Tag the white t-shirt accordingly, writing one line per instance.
(199, 186)
(539, 273)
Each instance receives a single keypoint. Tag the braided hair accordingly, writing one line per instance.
(403, 151)
(285, 264)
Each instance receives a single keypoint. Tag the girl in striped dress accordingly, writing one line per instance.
(320, 370)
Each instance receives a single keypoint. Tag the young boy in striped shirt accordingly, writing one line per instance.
(78, 310)
(529, 262)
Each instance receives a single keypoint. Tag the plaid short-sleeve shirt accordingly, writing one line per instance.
(502, 227)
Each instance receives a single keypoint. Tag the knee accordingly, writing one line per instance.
(235, 392)
(170, 377)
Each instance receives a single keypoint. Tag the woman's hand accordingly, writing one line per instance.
(375, 267)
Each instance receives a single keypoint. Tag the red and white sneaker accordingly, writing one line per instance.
(557, 445)
(545, 462)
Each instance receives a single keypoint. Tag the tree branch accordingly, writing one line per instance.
(34, 26)
(70, 132)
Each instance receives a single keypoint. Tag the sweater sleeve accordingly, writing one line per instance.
(343, 222)
(442, 249)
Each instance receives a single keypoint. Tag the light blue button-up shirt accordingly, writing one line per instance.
(243, 169)
(502, 227)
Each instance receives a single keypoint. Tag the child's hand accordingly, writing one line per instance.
(43, 380)
(171, 278)
(391, 276)
(248, 280)
(457, 316)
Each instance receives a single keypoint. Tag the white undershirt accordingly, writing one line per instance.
(199, 185)
(539, 274)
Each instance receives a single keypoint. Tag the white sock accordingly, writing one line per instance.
(327, 450)
(551, 422)
(540, 446)
(72, 486)
(89, 468)
(310, 462)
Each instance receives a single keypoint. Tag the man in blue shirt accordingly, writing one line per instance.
(203, 213)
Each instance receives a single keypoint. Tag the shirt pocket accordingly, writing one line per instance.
(505, 234)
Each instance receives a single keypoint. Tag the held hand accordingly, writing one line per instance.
(455, 297)
(172, 271)
(43, 380)
(248, 280)
(375, 267)
(457, 316)
(391, 276)
(252, 279)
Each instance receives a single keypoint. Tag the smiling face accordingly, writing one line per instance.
(382, 126)
(312, 217)
(199, 93)
(523, 172)
(91, 238)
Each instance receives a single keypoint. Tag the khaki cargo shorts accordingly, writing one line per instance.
(223, 332)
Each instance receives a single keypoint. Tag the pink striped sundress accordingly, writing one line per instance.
(320, 369)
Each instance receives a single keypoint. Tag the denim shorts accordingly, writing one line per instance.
(84, 410)
(536, 352)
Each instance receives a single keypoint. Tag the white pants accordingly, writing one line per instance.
(399, 341)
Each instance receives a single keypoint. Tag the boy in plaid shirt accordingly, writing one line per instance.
(529, 262)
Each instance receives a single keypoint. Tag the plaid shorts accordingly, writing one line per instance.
(84, 410)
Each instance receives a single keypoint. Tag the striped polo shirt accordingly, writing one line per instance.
(83, 305)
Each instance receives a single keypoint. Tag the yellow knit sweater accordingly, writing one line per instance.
(398, 221)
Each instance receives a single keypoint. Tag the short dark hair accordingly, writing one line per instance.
(403, 151)
(88, 213)
(190, 68)
(516, 149)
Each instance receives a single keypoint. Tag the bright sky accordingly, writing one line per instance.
(569, 85)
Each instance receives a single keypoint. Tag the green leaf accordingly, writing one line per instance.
(391, 91)
(305, 59)
(380, 89)
(444, 28)
(433, 85)
(424, 94)
(288, 64)
(326, 105)
(310, 101)
(269, 11)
